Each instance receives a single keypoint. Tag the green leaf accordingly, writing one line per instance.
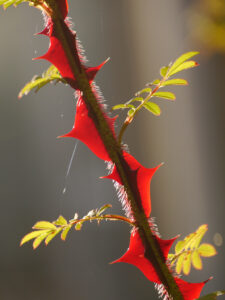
(119, 106)
(140, 99)
(65, 232)
(37, 82)
(187, 264)
(196, 260)
(131, 112)
(164, 70)
(44, 225)
(179, 246)
(184, 66)
(32, 235)
(153, 108)
(39, 239)
(212, 296)
(155, 82)
(165, 95)
(180, 60)
(179, 264)
(176, 81)
(103, 208)
(52, 235)
(146, 90)
(7, 3)
(60, 221)
(197, 236)
(78, 226)
(207, 250)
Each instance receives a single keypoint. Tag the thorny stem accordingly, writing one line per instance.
(130, 118)
(153, 251)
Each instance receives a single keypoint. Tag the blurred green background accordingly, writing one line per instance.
(140, 37)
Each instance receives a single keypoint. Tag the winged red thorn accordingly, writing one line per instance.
(56, 56)
(135, 255)
(142, 177)
(84, 129)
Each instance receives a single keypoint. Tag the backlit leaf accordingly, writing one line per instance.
(50, 75)
(65, 232)
(207, 250)
(165, 95)
(180, 60)
(196, 260)
(163, 71)
(200, 232)
(179, 264)
(103, 208)
(78, 226)
(119, 106)
(179, 246)
(60, 221)
(137, 99)
(176, 81)
(184, 66)
(44, 225)
(212, 296)
(153, 108)
(7, 3)
(52, 235)
(131, 112)
(39, 239)
(146, 90)
(31, 236)
(155, 82)
(187, 263)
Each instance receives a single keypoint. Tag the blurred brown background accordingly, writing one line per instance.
(140, 37)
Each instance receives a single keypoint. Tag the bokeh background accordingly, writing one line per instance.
(140, 37)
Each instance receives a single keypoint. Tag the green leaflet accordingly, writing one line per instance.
(39, 239)
(179, 61)
(32, 235)
(50, 75)
(212, 296)
(153, 108)
(52, 235)
(65, 232)
(184, 66)
(164, 70)
(175, 81)
(165, 95)
(60, 221)
(44, 225)
(7, 3)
